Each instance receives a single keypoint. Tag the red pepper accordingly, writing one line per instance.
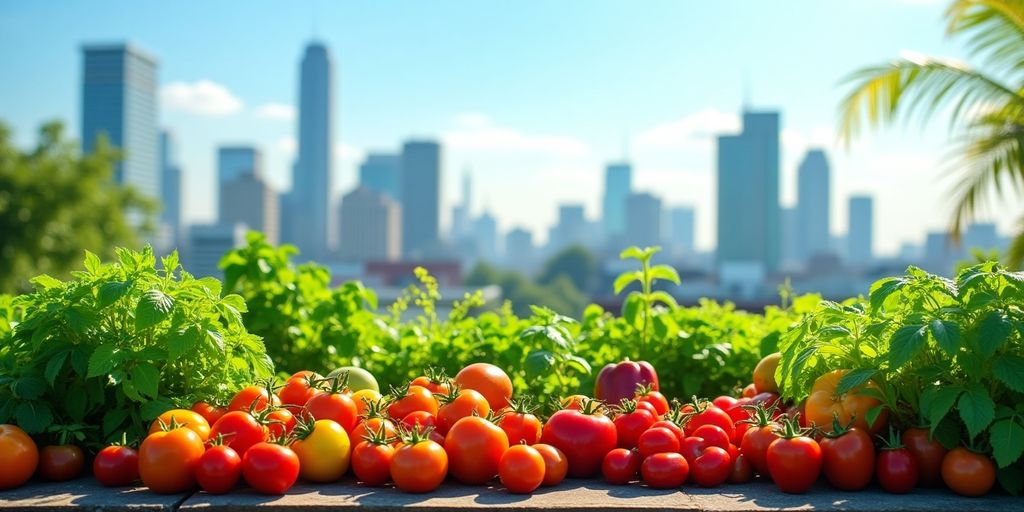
(619, 381)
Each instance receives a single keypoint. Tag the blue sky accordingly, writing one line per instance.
(534, 97)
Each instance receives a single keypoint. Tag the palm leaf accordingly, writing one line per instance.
(996, 30)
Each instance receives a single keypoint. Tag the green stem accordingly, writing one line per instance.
(647, 307)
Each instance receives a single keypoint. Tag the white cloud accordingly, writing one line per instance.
(695, 129)
(286, 145)
(201, 98)
(476, 132)
(276, 111)
(348, 152)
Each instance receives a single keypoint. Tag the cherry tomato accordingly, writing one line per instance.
(742, 472)
(489, 380)
(968, 473)
(475, 446)
(182, 418)
(620, 466)
(416, 398)
(794, 460)
(713, 434)
(253, 398)
(211, 413)
(463, 404)
(928, 453)
(61, 463)
(298, 389)
(709, 415)
(848, 460)
(19, 457)
(897, 470)
(824, 403)
(712, 467)
(116, 466)
(555, 464)
(323, 450)
(219, 469)
(631, 423)
(583, 436)
(653, 397)
(724, 402)
(419, 466)
(168, 460)
(657, 440)
(664, 470)
(239, 431)
(520, 425)
(521, 469)
(333, 405)
(270, 468)
(435, 382)
(371, 462)
(280, 422)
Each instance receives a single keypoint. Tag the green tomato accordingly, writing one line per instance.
(358, 378)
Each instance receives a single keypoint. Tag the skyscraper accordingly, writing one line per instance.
(381, 172)
(748, 193)
(371, 226)
(462, 212)
(208, 243)
(813, 205)
(170, 189)
(643, 220)
(519, 250)
(308, 212)
(860, 231)
(571, 228)
(485, 234)
(248, 199)
(119, 100)
(236, 161)
(421, 197)
(618, 179)
(681, 230)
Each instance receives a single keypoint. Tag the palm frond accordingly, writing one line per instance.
(996, 30)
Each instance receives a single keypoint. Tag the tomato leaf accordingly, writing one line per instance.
(33, 416)
(664, 272)
(976, 409)
(111, 292)
(54, 365)
(538, 363)
(113, 419)
(854, 379)
(1011, 479)
(1007, 438)
(102, 360)
(946, 334)
(993, 331)
(30, 387)
(1009, 369)
(905, 343)
(578, 363)
(154, 408)
(625, 279)
(936, 402)
(75, 403)
(146, 378)
(153, 308)
(882, 289)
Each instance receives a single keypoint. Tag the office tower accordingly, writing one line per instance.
(371, 226)
(571, 229)
(643, 220)
(520, 252)
(681, 237)
(380, 172)
(119, 101)
(309, 215)
(236, 161)
(748, 194)
(859, 234)
(980, 235)
(421, 197)
(617, 187)
(462, 212)
(813, 205)
(208, 243)
(249, 200)
(170, 189)
(485, 234)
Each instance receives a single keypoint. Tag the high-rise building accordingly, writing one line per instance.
(236, 161)
(119, 101)
(571, 229)
(421, 198)
(980, 235)
(789, 248)
(813, 205)
(643, 220)
(208, 243)
(618, 178)
(309, 215)
(682, 237)
(748, 195)
(371, 226)
(520, 252)
(462, 212)
(485, 234)
(381, 172)
(860, 231)
(170, 189)
(248, 199)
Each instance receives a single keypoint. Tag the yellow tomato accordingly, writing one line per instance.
(362, 396)
(324, 452)
(183, 418)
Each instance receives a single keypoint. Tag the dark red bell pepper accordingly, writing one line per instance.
(619, 381)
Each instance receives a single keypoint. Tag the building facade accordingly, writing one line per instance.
(371, 226)
(421, 198)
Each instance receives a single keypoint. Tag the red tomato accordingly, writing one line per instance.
(712, 467)
(724, 402)
(631, 422)
(794, 460)
(583, 436)
(371, 462)
(280, 423)
(19, 457)
(521, 469)
(460, 405)
(333, 405)
(620, 466)
(299, 388)
(368, 425)
(928, 453)
(489, 380)
(520, 425)
(116, 466)
(270, 468)
(555, 464)
(749, 391)
(758, 438)
(742, 472)
(435, 381)
(475, 446)
(419, 466)
(168, 460)
(657, 440)
(219, 469)
(419, 418)
(848, 460)
(897, 470)
(646, 406)
(645, 394)
(675, 428)
(415, 398)
(664, 470)
(968, 473)
(239, 430)
(709, 415)
(692, 447)
(211, 413)
(714, 435)
(253, 398)
(61, 463)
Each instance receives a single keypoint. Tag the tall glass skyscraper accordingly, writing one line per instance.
(861, 230)
(813, 205)
(421, 197)
(170, 187)
(119, 101)
(380, 172)
(308, 220)
(237, 161)
(617, 188)
(748, 193)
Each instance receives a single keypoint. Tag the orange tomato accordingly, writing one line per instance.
(19, 457)
(419, 466)
(489, 380)
(417, 398)
(363, 396)
(168, 460)
(183, 418)
(555, 464)
(823, 402)
(466, 403)
(475, 447)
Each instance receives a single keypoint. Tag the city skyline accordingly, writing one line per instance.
(671, 144)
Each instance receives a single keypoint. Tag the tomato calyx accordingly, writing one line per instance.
(625, 406)
(789, 428)
(523, 405)
(338, 384)
(414, 436)
(442, 398)
(379, 437)
(376, 408)
(303, 428)
(838, 429)
(892, 442)
(643, 388)
(760, 416)
(437, 376)
(169, 426)
(590, 407)
(217, 441)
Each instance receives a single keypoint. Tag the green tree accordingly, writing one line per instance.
(55, 204)
(576, 263)
(987, 104)
(561, 295)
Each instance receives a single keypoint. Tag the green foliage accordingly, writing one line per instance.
(640, 305)
(55, 204)
(118, 344)
(576, 263)
(561, 295)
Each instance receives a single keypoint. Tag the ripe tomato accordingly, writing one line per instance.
(333, 405)
(489, 380)
(363, 398)
(435, 381)
(253, 398)
(848, 459)
(671, 425)
(764, 373)
(725, 403)
(116, 466)
(620, 466)
(475, 446)
(714, 435)
(521, 469)
(168, 460)
(19, 457)
(415, 398)
(211, 413)
(271, 468)
(555, 464)
(419, 420)
(584, 437)
(712, 467)
(219, 469)
(709, 415)
(657, 440)
(749, 391)
(929, 454)
(182, 418)
(631, 422)
(794, 460)
(823, 404)
(374, 424)
(323, 450)
(897, 470)
(239, 430)
(419, 465)
(371, 462)
(520, 424)
(758, 438)
(463, 404)
(574, 402)
(968, 473)
(646, 394)
(742, 472)
(61, 463)
(280, 422)
(299, 388)
(664, 470)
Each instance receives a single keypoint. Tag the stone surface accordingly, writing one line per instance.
(84, 494)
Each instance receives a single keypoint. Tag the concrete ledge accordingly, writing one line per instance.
(85, 494)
